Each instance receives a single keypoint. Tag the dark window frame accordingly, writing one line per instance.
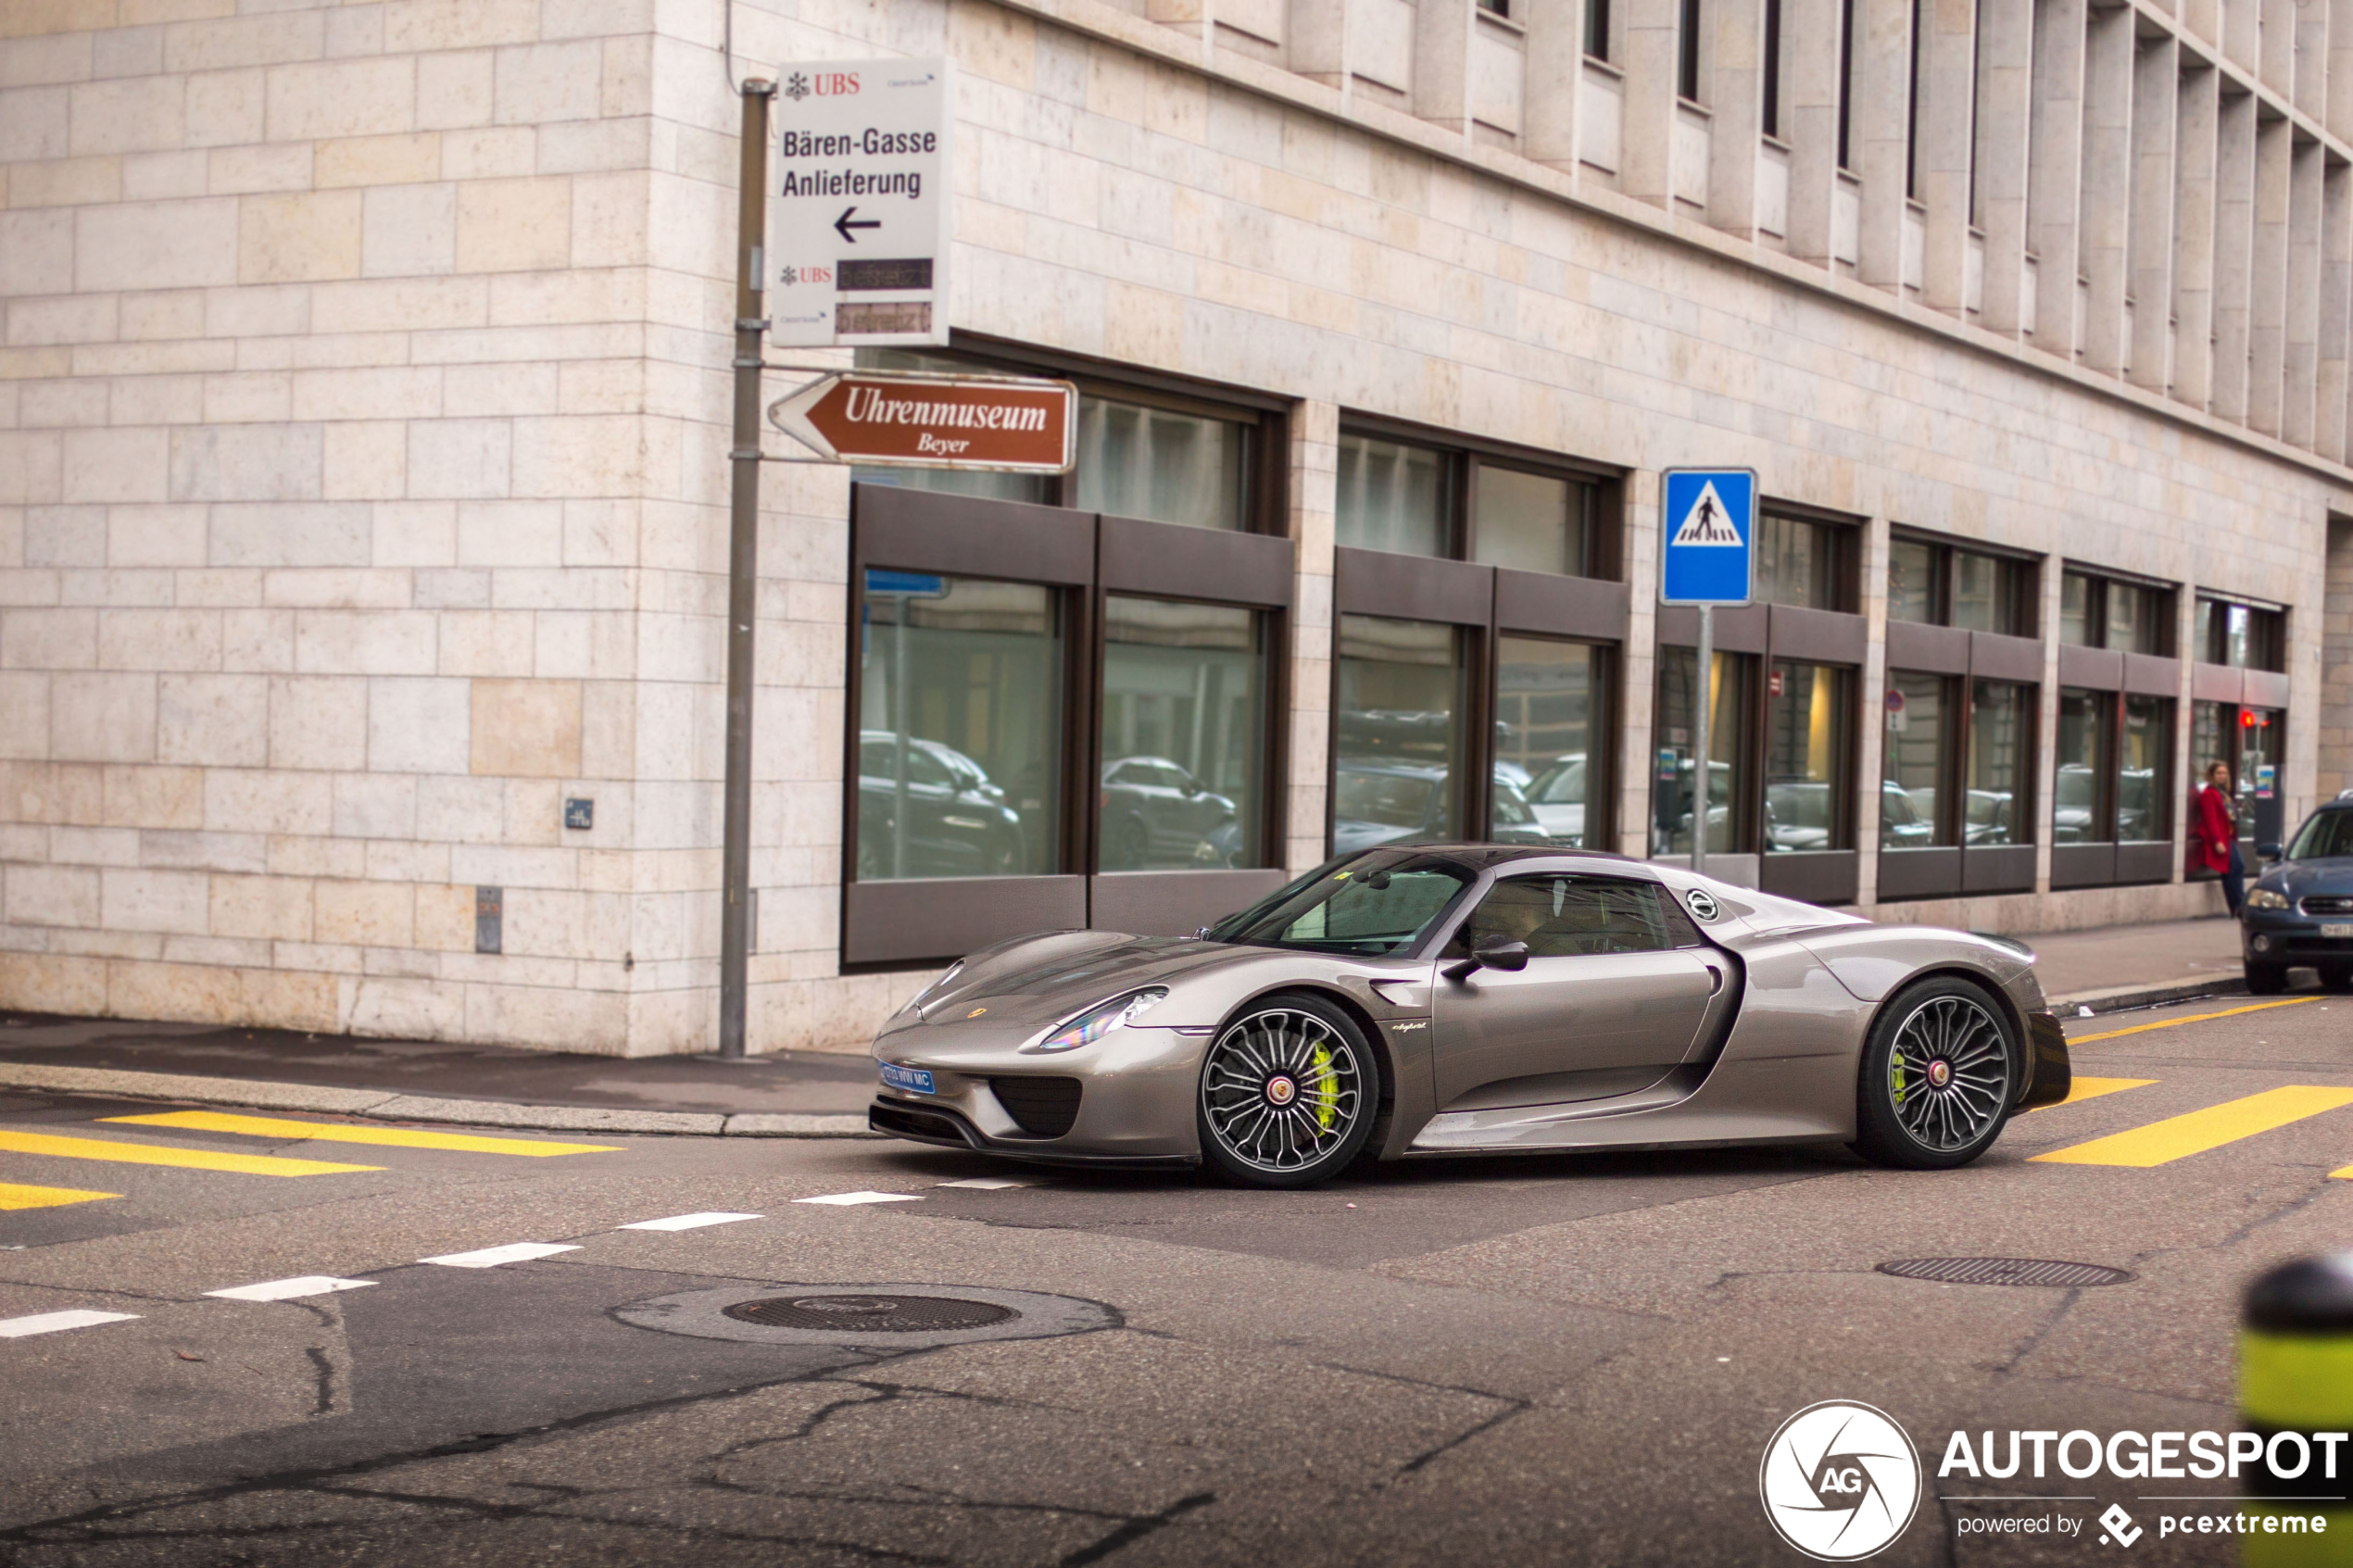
(1845, 535)
(2267, 634)
(1460, 459)
(2026, 598)
(2165, 609)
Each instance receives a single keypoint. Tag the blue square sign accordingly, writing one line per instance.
(1708, 527)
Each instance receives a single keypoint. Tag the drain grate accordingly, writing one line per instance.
(2006, 1270)
(871, 1314)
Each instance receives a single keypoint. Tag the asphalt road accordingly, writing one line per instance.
(1542, 1360)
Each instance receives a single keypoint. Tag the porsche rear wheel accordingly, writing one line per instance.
(1939, 1077)
(1288, 1091)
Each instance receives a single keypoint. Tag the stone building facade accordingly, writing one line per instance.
(363, 479)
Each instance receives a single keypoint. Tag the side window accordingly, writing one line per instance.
(1571, 916)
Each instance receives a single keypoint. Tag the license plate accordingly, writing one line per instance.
(2341, 929)
(912, 1079)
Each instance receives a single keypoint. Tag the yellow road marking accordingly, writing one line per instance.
(2177, 1137)
(2093, 1088)
(15, 1194)
(335, 1132)
(158, 1154)
(2194, 1018)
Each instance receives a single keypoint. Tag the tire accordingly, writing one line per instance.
(2266, 979)
(1939, 1075)
(1135, 849)
(1289, 1090)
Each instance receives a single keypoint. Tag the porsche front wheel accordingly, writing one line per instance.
(1938, 1078)
(1288, 1091)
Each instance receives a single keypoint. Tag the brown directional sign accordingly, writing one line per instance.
(934, 421)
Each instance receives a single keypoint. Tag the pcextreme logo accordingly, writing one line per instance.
(1840, 1481)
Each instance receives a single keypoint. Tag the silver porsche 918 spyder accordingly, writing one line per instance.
(1476, 998)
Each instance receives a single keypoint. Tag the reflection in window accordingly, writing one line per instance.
(2076, 815)
(1988, 593)
(2241, 635)
(1391, 497)
(1183, 724)
(1673, 778)
(1376, 904)
(1911, 580)
(2001, 741)
(2131, 619)
(1550, 775)
(1914, 763)
(1397, 732)
(1533, 521)
(2262, 744)
(2078, 625)
(1155, 463)
(1796, 563)
(1806, 718)
(959, 728)
(2144, 798)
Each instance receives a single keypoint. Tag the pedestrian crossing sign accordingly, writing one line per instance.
(1710, 524)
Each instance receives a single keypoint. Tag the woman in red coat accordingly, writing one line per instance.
(2214, 837)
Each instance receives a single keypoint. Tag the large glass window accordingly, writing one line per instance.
(1551, 742)
(2132, 619)
(1911, 580)
(2143, 793)
(2241, 635)
(1398, 733)
(1391, 497)
(1183, 736)
(1729, 770)
(2249, 739)
(1533, 521)
(2078, 808)
(2001, 749)
(1136, 460)
(2101, 612)
(959, 728)
(1797, 563)
(1808, 714)
(1913, 755)
(2079, 622)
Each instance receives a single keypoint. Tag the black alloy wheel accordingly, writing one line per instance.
(1939, 1077)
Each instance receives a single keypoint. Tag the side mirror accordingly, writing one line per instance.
(1490, 952)
(2266, 852)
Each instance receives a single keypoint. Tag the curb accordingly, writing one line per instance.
(2123, 998)
(383, 1105)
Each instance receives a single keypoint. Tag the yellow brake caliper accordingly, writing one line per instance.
(1323, 1091)
(1895, 1081)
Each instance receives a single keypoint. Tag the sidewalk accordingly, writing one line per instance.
(790, 1095)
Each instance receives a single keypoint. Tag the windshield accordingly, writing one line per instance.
(1374, 905)
(2324, 834)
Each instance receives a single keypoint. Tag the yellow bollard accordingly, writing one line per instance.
(2295, 1380)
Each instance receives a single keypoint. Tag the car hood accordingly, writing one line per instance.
(2296, 878)
(1040, 981)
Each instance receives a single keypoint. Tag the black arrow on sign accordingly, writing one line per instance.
(842, 226)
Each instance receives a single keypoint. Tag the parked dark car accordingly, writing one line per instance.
(956, 821)
(1156, 814)
(2300, 909)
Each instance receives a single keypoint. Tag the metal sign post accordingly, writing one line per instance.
(743, 571)
(1708, 527)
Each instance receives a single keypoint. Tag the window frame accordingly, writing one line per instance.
(1460, 458)
(1945, 552)
(2213, 636)
(2164, 603)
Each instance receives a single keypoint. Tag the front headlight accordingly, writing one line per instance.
(2264, 898)
(1101, 1019)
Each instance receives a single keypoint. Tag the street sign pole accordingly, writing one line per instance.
(743, 568)
(1700, 780)
(1706, 557)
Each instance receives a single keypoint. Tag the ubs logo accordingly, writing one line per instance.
(1840, 1481)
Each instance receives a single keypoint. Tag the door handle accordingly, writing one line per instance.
(1715, 978)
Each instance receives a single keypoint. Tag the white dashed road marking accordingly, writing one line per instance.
(290, 1289)
(687, 1221)
(849, 1197)
(50, 1322)
(491, 1257)
(987, 1184)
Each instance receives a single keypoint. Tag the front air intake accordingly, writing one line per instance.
(1044, 1108)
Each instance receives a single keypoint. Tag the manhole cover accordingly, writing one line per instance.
(870, 1314)
(2004, 1271)
(875, 1317)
